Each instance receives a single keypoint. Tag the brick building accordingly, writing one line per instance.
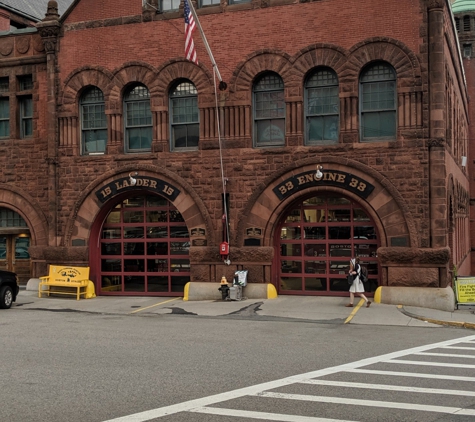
(120, 154)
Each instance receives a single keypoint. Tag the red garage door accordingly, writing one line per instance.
(144, 244)
(316, 239)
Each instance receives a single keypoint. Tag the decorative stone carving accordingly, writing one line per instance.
(6, 46)
(52, 12)
(22, 44)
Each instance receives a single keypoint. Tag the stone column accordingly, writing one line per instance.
(437, 132)
(49, 29)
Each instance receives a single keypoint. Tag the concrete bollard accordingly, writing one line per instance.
(442, 299)
(195, 290)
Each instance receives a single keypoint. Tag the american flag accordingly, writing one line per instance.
(190, 26)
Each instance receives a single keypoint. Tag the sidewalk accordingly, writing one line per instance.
(306, 308)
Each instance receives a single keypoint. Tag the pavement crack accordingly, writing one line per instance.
(250, 310)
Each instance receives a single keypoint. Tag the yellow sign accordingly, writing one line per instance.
(465, 287)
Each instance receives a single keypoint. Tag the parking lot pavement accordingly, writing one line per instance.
(306, 308)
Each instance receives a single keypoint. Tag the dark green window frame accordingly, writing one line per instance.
(269, 111)
(138, 120)
(93, 122)
(184, 117)
(322, 108)
(378, 103)
(26, 116)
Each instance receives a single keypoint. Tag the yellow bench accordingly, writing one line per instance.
(61, 279)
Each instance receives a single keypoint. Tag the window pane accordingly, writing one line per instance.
(138, 119)
(93, 121)
(170, 5)
(184, 116)
(270, 132)
(378, 102)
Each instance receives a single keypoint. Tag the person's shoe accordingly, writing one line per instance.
(368, 304)
(350, 305)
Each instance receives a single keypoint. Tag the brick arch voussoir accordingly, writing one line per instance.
(259, 200)
(405, 62)
(259, 62)
(326, 55)
(82, 77)
(21, 202)
(87, 201)
(177, 69)
(135, 72)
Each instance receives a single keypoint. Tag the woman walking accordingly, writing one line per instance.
(357, 285)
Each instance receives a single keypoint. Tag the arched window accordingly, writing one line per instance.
(184, 116)
(378, 103)
(322, 108)
(93, 121)
(269, 111)
(138, 120)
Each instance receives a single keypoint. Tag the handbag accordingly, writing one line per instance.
(351, 278)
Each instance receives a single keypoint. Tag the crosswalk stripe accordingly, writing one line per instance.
(391, 388)
(410, 374)
(422, 363)
(445, 355)
(371, 403)
(458, 348)
(261, 415)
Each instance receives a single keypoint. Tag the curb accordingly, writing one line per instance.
(459, 324)
(209, 291)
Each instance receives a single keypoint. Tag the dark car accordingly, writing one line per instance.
(9, 289)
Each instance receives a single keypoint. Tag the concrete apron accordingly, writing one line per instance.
(442, 299)
(210, 291)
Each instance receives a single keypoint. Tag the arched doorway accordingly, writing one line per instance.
(142, 248)
(315, 239)
(14, 244)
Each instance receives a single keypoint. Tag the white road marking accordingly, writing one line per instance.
(261, 388)
(261, 415)
(412, 374)
(445, 355)
(422, 363)
(458, 348)
(372, 403)
(391, 388)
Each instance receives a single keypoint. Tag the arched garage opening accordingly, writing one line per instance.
(315, 239)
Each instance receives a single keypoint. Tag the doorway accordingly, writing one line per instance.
(316, 238)
(14, 255)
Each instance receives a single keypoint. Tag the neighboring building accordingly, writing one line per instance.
(332, 144)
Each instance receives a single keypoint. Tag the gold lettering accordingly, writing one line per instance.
(289, 185)
(362, 186)
(310, 177)
(106, 192)
(119, 186)
(153, 184)
(353, 183)
(341, 178)
(301, 180)
(168, 190)
(282, 190)
(145, 182)
(332, 176)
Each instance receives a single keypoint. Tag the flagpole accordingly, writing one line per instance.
(222, 84)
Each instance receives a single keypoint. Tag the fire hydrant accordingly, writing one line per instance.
(224, 289)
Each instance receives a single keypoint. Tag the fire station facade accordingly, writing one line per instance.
(121, 155)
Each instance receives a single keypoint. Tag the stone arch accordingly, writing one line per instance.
(394, 52)
(22, 203)
(78, 80)
(385, 204)
(173, 70)
(259, 62)
(87, 206)
(128, 73)
(321, 54)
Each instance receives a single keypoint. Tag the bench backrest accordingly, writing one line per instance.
(67, 274)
